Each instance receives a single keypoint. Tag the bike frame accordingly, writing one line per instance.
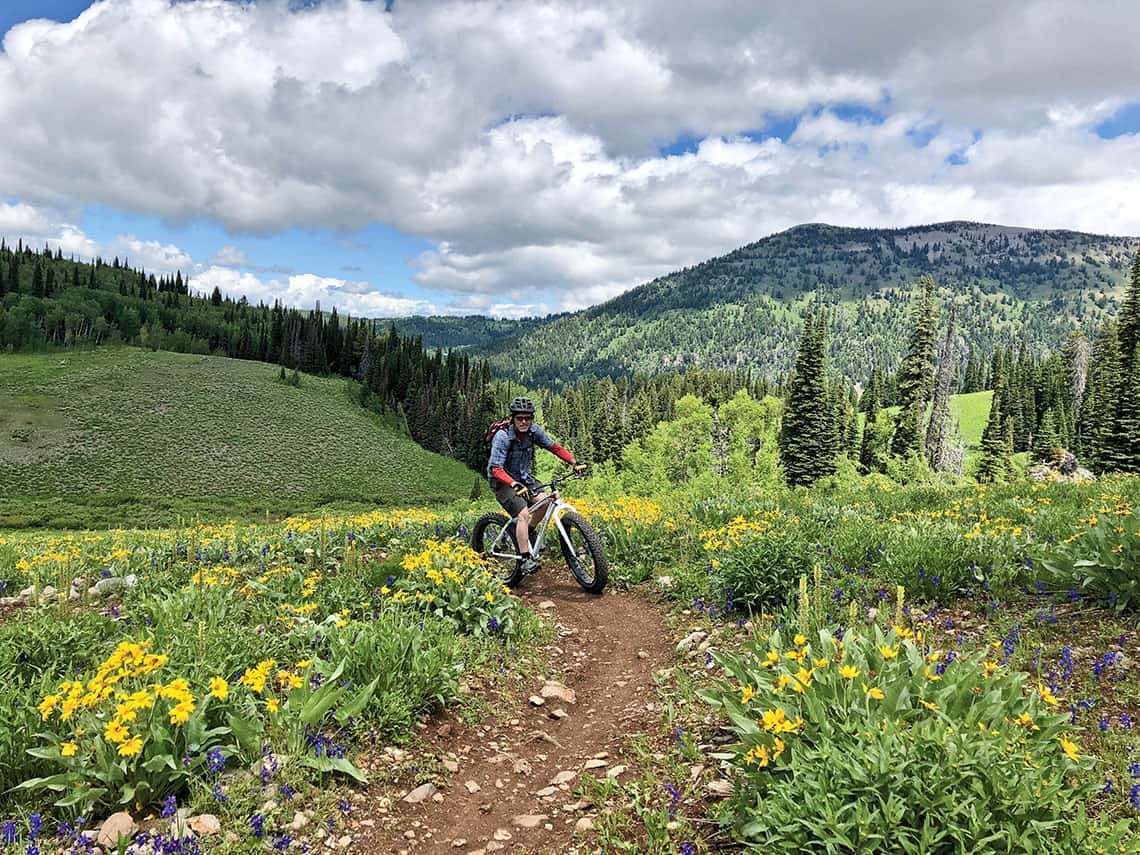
(555, 508)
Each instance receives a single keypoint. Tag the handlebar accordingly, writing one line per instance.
(554, 482)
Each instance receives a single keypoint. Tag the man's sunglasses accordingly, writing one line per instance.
(524, 418)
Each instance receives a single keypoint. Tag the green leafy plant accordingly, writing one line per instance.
(874, 743)
(124, 737)
(1102, 561)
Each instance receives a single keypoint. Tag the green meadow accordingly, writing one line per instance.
(128, 436)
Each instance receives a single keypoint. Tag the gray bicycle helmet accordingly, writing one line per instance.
(523, 406)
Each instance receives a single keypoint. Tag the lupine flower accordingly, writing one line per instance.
(169, 806)
(674, 798)
(257, 823)
(9, 834)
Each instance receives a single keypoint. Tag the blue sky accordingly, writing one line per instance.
(512, 159)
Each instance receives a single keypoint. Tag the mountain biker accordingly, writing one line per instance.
(509, 471)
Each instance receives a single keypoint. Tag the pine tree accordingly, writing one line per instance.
(1098, 422)
(1127, 428)
(994, 460)
(1129, 321)
(1047, 442)
(916, 374)
(808, 430)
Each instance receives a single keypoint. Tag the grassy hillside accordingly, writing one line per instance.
(971, 411)
(124, 435)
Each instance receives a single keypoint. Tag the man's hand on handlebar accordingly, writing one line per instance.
(521, 489)
(580, 470)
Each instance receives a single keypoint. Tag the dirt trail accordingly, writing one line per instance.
(519, 770)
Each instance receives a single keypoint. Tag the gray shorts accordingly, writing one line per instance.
(506, 496)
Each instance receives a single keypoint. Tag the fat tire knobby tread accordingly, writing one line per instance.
(478, 535)
(594, 545)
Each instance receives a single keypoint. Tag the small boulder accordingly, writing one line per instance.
(420, 794)
(115, 826)
(204, 825)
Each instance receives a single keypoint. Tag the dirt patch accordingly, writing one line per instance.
(510, 787)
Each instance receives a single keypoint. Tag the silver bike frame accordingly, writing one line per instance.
(556, 508)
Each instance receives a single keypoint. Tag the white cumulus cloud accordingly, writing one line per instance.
(523, 140)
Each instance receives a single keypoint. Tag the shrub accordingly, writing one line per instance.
(125, 737)
(1101, 560)
(876, 744)
(455, 583)
(759, 558)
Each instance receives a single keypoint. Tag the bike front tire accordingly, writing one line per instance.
(483, 536)
(584, 554)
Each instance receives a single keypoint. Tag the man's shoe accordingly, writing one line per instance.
(528, 566)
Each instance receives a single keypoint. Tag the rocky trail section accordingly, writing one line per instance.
(511, 779)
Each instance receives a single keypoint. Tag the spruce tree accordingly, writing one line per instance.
(916, 374)
(1126, 433)
(808, 431)
(1099, 423)
(1047, 442)
(1129, 322)
(994, 460)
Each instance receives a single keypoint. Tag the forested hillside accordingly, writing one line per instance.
(47, 301)
(1010, 286)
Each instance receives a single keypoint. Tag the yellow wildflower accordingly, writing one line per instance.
(180, 714)
(68, 749)
(131, 747)
(848, 672)
(219, 688)
(1070, 749)
(47, 705)
(873, 692)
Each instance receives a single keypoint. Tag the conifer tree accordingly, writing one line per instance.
(1129, 322)
(1098, 422)
(994, 460)
(1048, 440)
(916, 374)
(808, 431)
(1127, 428)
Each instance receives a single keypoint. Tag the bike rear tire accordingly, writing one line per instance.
(485, 533)
(586, 560)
